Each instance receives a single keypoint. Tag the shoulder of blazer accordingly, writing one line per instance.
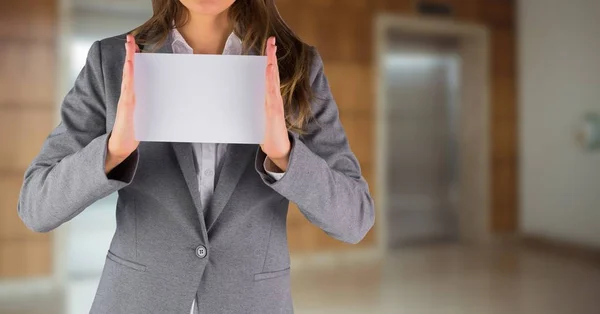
(112, 53)
(318, 80)
(114, 41)
(112, 50)
(316, 67)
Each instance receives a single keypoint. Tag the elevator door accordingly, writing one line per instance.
(422, 92)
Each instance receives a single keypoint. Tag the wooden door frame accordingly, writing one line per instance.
(474, 203)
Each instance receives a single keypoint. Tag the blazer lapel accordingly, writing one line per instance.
(236, 159)
(185, 157)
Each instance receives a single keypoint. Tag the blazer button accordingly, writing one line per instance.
(201, 251)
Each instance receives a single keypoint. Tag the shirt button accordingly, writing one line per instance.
(208, 172)
(201, 251)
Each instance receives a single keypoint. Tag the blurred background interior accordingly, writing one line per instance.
(473, 121)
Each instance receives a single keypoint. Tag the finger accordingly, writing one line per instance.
(129, 80)
(270, 42)
(125, 69)
(137, 48)
(130, 48)
(127, 85)
(275, 99)
(267, 48)
(271, 51)
(270, 60)
(268, 52)
(134, 48)
(276, 63)
(270, 83)
(274, 94)
(278, 101)
(275, 76)
(268, 88)
(272, 57)
(274, 87)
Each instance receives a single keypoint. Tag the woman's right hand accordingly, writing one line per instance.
(122, 140)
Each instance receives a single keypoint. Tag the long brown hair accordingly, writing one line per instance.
(254, 21)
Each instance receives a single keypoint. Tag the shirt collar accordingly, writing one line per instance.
(233, 45)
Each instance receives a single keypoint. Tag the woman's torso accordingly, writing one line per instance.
(153, 262)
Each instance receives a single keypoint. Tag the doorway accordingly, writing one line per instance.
(432, 145)
(423, 89)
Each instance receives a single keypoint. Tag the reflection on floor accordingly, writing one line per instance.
(448, 279)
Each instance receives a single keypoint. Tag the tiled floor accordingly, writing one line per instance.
(442, 279)
(453, 280)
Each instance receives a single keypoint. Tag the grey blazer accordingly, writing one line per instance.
(165, 249)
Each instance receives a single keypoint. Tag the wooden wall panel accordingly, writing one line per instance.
(362, 5)
(505, 195)
(27, 86)
(498, 13)
(302, 236)
(301, 20)
(360, 129)
(351, 85)
(467, 10)
(294, 217)
(28, 69)
(504, 110)
(345, 36)
(503, 48)
(26, 20)
(25, 258)
(322, 4)
(504, 119)
(394, 6)
(24, 132)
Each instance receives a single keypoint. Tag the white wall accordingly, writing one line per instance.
(559, 56)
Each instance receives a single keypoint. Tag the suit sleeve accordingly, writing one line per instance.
(323, 176)
(68, 174)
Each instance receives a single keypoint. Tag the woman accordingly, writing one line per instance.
(200, 226)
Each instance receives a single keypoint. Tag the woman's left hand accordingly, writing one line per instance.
(276, 144)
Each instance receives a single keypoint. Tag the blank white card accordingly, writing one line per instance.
(199, 98)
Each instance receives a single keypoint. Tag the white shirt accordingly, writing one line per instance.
(209, 156)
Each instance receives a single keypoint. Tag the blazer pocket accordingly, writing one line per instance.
(125, 262)
(271, 274)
